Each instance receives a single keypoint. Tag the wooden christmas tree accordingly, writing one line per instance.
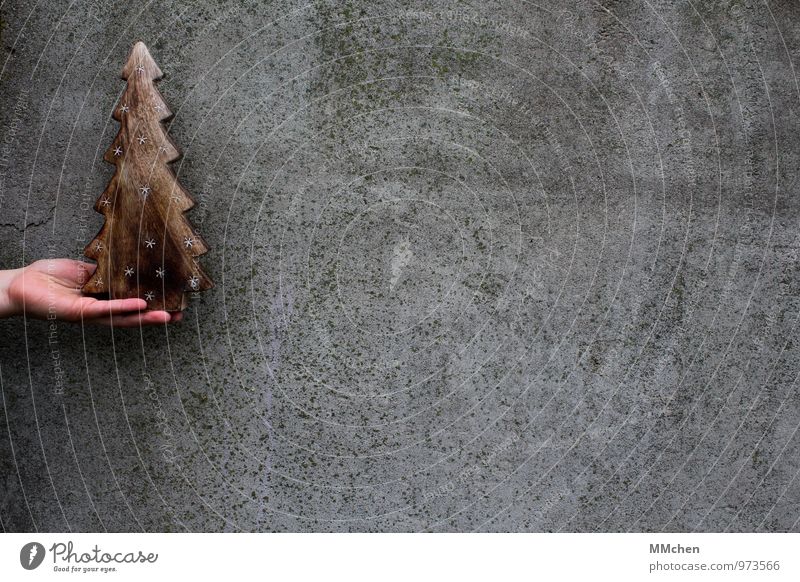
(147, 248)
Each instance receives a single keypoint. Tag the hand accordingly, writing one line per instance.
(51, 289)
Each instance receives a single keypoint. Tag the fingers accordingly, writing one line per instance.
(93, 308)
(80, 272)
(66, 269)
(137, 319)
(124, 313)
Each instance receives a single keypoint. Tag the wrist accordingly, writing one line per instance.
(9, 306)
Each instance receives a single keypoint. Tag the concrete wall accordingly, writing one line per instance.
(479, 266)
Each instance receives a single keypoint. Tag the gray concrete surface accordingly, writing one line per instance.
(499, 266)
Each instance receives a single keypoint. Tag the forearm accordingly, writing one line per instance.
(8, 306)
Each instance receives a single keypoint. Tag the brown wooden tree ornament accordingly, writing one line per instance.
(147, 248)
